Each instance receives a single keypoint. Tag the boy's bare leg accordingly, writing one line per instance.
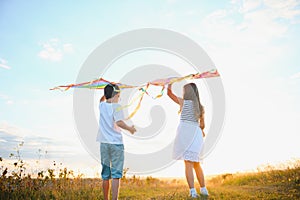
(105, 186)
(199, 174)
(115, 188)
(189, 173)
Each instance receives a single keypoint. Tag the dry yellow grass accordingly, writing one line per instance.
(56, 183)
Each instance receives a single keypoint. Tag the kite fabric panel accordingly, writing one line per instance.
(101, 83)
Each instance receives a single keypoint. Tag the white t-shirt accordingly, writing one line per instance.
(109, 132)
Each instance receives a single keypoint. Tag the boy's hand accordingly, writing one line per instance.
(132, 129)
(123, 125)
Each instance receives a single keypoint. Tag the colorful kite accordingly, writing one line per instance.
(101, 83)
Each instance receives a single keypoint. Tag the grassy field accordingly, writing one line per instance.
(271, 184)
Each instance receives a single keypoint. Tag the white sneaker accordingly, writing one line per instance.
(193, 193)
(204, 191)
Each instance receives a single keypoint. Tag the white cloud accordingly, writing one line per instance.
(169, 14)
(171, 1)
(257, 24)
(54, 40)
(249, 5)
(295, 76)
(286, 9)
(3, 64)
(218, 14)
(68, 48)
(190, 12)
(6, 98)
(244, 42)
(50, 53)
(9, 102)
(54, 50)
(13, 130)
(247, 32)
(12, 135)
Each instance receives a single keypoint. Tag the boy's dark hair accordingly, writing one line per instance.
(111, 90)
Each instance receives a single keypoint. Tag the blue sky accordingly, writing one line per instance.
(254, 44)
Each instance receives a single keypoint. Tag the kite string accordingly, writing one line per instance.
(139, 104)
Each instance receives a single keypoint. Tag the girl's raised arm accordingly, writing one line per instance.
(175, 98)
(102, 98)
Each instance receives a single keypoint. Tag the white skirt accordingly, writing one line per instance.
(188, 142)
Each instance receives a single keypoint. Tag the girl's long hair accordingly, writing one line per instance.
(191, 93)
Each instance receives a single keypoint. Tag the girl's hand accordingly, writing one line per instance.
(203, 134)
(132, 129)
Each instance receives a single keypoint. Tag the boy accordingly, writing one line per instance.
(110, 137)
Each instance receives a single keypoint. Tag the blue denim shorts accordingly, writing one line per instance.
(112, 160)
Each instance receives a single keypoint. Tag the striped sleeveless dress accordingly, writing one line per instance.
(189, 140)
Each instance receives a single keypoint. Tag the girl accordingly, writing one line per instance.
(189, 139)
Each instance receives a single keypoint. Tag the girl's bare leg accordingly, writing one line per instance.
(189, 173)
(199, 174)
